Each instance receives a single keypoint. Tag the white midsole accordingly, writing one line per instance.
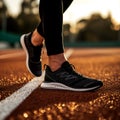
(60, 86)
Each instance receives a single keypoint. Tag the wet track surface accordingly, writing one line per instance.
(103, 104)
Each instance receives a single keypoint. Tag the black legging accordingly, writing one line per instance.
(51, 14)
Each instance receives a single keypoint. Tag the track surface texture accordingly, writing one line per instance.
(42, 104)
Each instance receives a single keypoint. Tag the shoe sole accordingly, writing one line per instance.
(26, 51)
(60, 86)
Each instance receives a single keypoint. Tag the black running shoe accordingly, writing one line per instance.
(65, 78)
(33, 53)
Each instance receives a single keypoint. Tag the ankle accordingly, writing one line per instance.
(55, 61)
(36, 39)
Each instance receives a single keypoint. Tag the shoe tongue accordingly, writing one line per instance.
(66, 65)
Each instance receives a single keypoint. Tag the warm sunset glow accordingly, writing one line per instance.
(80, 9)
(84, 8)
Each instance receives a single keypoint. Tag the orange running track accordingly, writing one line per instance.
(41, 104)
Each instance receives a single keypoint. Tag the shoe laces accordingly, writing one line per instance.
(72, 70)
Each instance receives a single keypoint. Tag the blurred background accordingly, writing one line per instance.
(86, 23)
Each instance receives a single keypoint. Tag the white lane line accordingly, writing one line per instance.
(13, 101)
(10, 103)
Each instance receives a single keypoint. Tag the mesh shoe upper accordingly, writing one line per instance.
(33, 55)
(67, 76)
(33, 51)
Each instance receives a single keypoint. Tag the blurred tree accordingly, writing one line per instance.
(3, 11)
(66, 32)
(12, 25)
(28, 19)
(29, 7)
(97, 28)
